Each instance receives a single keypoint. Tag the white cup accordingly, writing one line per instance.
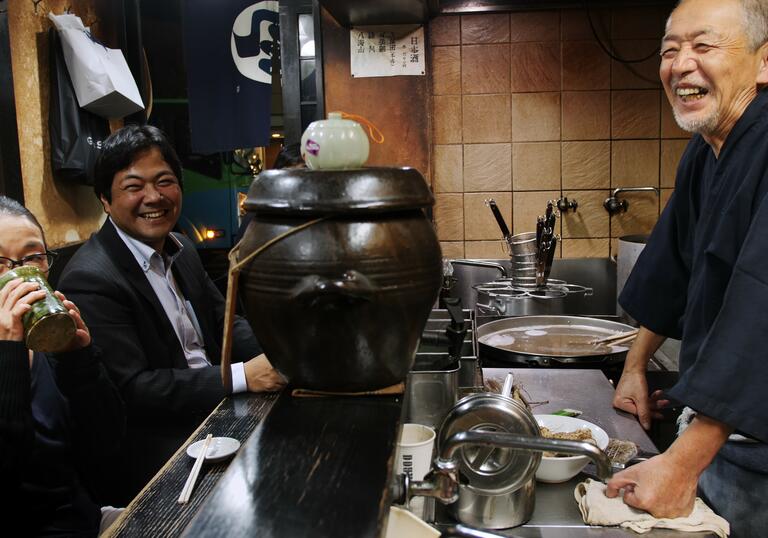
(414, 451)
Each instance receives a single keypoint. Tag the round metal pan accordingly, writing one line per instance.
(560, 341)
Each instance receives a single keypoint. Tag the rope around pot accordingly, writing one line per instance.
(233, 276)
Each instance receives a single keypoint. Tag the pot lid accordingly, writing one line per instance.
(319, 192)
(492, 471)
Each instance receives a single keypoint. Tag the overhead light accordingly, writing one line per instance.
(210, 234)
(277, 135)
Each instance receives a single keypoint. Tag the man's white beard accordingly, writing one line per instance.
(700, 125)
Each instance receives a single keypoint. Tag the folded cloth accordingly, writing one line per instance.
(597, 509)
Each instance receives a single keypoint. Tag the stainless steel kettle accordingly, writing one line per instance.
(489, 447)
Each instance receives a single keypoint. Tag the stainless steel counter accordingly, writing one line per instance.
(586, 390)
(556, 514)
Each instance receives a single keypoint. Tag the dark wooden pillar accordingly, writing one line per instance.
(10, 162)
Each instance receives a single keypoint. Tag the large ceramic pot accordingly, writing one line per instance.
(341, 304)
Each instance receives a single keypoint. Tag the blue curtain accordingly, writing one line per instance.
(228, 53)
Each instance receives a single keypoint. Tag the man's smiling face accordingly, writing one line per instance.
(146, 199)
(709, 72)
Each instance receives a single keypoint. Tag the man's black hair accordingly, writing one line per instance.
(290, 155)
(123, 147)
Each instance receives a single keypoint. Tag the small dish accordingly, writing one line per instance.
(220, 448)
(562, 469)
(403, 523)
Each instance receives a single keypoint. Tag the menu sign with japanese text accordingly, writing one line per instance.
(386, 51)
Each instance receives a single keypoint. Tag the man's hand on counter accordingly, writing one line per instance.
(632, 392)
(665, 485)
(660, 486)
(632, 396)
(260, 376)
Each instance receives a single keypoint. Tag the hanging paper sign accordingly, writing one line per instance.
(386, 51)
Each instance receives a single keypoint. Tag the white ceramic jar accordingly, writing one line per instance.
(335, 143)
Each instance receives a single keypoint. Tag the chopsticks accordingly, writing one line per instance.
(621, 338)
(189, 485)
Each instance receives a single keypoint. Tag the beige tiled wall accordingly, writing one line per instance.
(528, 107)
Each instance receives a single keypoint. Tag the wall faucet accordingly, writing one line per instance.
(613, 205)
(442, 482)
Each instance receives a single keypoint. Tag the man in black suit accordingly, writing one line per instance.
(150, 304)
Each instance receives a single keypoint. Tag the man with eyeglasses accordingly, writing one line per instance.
(61, 418)
(146, 297)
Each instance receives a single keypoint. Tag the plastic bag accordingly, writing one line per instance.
(76, 135)
(101, 77)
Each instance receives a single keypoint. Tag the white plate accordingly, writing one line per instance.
(555, 470)
(220, 448)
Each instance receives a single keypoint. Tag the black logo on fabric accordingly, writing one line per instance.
(254, 35)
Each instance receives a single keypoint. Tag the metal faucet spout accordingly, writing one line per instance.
(481, 263)
(613, 205)
(635, 189)
(538, 444)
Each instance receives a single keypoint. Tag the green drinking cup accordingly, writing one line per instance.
(48, 327)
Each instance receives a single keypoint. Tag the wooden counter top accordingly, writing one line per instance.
(154, 511)
(310, 467)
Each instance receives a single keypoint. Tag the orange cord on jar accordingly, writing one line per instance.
(375, 134)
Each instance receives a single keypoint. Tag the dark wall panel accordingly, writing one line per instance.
(398, 106)
(10, 163)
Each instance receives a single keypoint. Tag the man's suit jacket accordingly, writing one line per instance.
(165, 399)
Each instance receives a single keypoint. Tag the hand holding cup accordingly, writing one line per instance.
(16, 299)
(26, 296)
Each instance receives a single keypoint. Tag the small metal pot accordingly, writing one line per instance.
(518, 297)
(495, 511)
(500, 483)
(494, 442)
(630, 247)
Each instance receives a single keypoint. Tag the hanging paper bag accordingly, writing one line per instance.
(76, 134)
(102, 79)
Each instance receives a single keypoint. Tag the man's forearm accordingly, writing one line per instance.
(645, 345)
(699, 443)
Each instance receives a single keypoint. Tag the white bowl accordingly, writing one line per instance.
(556, 470)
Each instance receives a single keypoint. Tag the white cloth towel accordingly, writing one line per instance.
(597, 509)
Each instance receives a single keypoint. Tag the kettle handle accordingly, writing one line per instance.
(353, 286)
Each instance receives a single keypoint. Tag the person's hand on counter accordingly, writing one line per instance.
(632, 396)
(665, 485)
(660, 486)
(260, 376)
(632, 392)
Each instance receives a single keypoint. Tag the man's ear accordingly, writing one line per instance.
(762, 72)
(104, 203)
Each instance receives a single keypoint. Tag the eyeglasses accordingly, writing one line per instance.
(43, 261)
